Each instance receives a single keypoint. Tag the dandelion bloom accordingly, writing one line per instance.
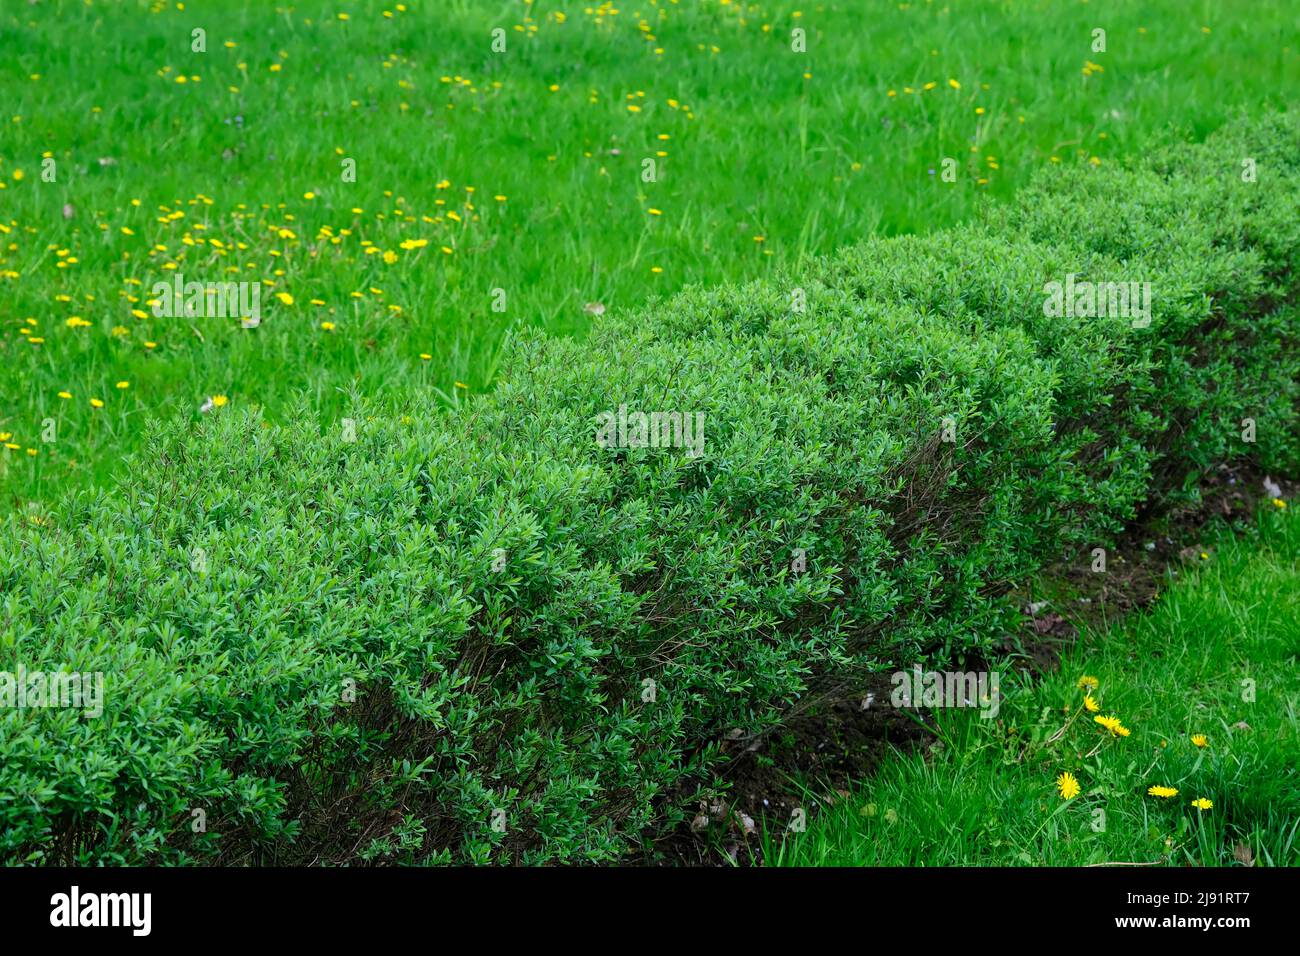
(1200, 740)
(219, 400)
(1200, 803)
(1087, 683)
(1091, 704)
(1110, 723)
(1067, 785)
(1165, 792)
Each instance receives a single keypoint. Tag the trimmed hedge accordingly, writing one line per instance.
(436, 642)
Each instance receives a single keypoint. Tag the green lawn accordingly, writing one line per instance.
(1216, 658)
(521, 170)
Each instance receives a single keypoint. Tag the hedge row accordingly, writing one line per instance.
(479, 634)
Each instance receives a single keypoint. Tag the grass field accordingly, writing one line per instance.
(1205, 684)
(503, 186)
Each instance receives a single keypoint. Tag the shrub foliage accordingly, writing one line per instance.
(475, 634)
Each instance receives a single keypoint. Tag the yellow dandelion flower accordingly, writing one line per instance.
(1067, 785)
(284, 297)
(1090, 704)
(219, 400)
(96, 403)
(1200, 740)
(1087, 683)
(1163, 792)
(1110, 723)
(1200, 803)
(123, 385)
(65, 395)
(327, 326)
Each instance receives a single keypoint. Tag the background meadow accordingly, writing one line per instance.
(519, 170)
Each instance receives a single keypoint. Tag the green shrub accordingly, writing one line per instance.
(324, 650)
